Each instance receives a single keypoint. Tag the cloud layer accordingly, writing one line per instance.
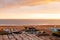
(21, 9)
(9, 3)
(53, 7)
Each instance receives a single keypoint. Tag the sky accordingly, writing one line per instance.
(29, 9)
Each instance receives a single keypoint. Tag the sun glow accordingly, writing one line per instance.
(42, 16)
(32, 16)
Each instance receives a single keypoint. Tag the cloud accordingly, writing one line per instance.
(9, 3)
(53, 7)
(32, 11)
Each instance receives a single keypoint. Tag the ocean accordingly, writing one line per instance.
(28, 21)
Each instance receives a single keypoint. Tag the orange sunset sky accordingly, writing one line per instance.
(29, 9)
